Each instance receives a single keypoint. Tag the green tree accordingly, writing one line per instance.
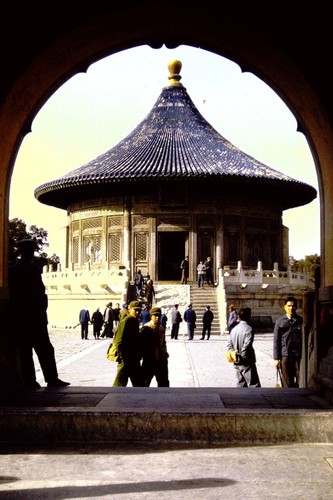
(309, 264)
(18, 230)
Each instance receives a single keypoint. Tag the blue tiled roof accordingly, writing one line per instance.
(174, 141)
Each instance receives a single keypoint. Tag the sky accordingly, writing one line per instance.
(93, 111)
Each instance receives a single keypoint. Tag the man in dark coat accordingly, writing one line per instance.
(176, 319)
(287, 343)
(84, 318)
(207, 320)
(28, 305)
(97, 321)
(184, 266)
(190, 317)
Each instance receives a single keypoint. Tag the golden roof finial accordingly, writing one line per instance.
(174, 68)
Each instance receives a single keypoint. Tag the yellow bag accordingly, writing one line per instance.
(112, 354)
(232, 356)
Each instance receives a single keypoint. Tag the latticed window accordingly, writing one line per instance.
(114, 221)
(92, 249)
(93, 223)
(141, 246)
(139, 220)
(75, 250)
(114, 247)
(75, 226)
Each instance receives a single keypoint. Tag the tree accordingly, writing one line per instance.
(309, 264)
(18, 231)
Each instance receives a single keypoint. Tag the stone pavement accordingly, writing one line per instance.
(197, 363)
(276, 443)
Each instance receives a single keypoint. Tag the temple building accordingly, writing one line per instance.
(173, 187)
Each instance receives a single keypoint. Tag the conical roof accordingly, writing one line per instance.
(173, 142)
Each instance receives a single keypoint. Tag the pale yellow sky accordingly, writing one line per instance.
(93, 111)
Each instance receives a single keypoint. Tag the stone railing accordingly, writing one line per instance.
(264, 277)
(86, 281)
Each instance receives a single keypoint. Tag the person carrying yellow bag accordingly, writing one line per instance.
(240, 348)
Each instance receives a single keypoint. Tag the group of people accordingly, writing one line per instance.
(190, 317)
(144, 288)
(287, 345)
(204, 272)
(141, 349)
(109, 321)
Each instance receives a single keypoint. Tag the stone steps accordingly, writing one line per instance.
(221, 416)
(200, 298)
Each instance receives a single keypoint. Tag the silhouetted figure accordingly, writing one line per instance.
(209, 271)
(176, 319)
(97, 321)
(207, 320)
(150, 293)
(138, 282)
(184, 266)
(28, 305)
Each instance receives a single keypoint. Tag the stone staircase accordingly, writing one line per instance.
(200, 298)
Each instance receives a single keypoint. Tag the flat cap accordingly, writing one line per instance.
(136, 305)
(155, 311)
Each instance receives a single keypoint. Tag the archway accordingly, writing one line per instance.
(93, 38)
(171, 246)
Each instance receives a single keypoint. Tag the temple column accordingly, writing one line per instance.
(152, 258)
(219, 247)
(127, 234)
(193, 246)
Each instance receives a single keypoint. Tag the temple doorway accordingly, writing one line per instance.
(171, 251)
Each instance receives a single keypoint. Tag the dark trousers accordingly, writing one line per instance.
(184, 277)
(174, 330)
(290, 368)
(157, 369)
(97, 331)
(190, 330)
(40, 342)
(84, 330)
(209, 278)
(206, 328)
(108, 330)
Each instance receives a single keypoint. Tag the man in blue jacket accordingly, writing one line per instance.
(190, 317)
(84, 318)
